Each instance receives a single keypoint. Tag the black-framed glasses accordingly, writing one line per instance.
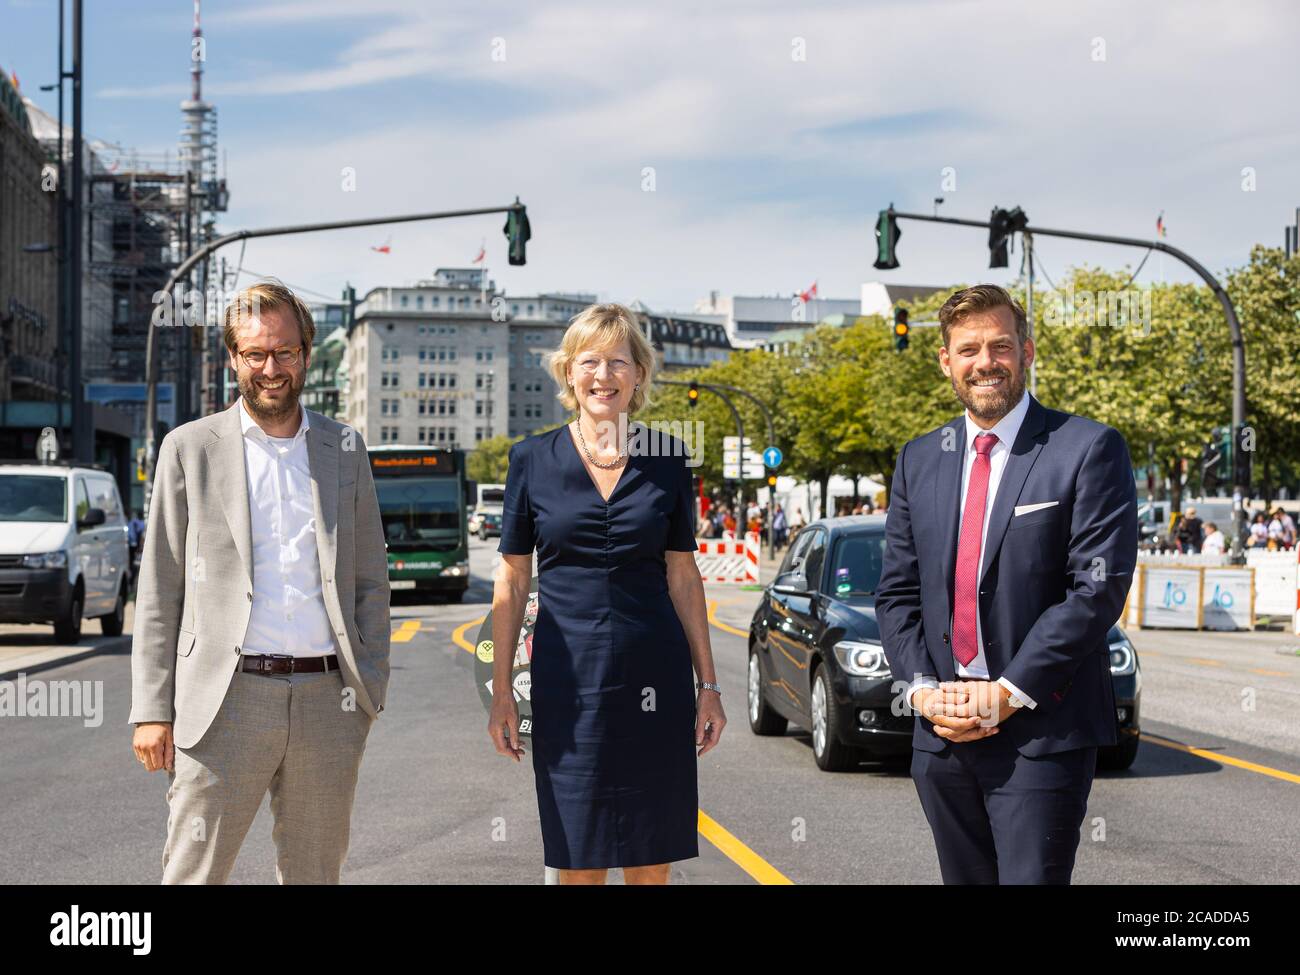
(256, 358)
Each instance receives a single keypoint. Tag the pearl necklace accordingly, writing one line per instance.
(586, 450)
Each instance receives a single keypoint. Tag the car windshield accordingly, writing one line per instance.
(418, 510)
(858, 559)
(33, 497)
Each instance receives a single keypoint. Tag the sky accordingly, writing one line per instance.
(670, 149)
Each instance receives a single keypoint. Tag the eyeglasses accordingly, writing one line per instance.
(256, 358)
(591, 363)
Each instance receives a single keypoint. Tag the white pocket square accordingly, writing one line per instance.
(1024, 509)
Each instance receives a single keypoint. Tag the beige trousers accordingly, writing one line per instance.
(290, 735)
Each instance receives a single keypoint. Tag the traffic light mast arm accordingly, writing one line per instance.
(717, 390)
(191, 262)
(1230, 313)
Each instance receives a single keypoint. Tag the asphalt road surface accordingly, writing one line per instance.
(1210, 799)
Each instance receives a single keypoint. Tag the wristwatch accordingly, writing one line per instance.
(705, 685)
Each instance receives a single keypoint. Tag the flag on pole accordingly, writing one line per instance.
(1160, 224)
(482, 254)
(809, 295)
(385, 248)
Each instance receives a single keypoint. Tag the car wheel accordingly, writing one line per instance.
(113, 623)
(831, 754)
(67, 629)
(763, 720)
(1120, 756)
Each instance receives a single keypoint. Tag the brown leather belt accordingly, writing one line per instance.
(272, 664)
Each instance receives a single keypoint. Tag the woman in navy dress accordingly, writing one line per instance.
(621, 621)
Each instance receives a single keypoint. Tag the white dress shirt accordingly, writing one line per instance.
(1005, 430)
(288, 605)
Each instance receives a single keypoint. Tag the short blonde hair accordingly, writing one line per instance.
(603, 327)
(268, 295)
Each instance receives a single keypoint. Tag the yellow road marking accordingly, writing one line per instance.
(739, 854)
(1213, 756)
(724, 627)
(458, 634)
(407, 630)
(1269, 673)
(736, 851)
(1203, 662)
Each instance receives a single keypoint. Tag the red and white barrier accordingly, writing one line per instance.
(728, 560)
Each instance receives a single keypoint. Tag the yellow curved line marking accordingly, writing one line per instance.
(724, 627)
(732, 848)
(407, 630)
(458, 634)
(1213, 756)
(739, 854)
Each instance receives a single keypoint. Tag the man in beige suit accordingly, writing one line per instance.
(260, 652)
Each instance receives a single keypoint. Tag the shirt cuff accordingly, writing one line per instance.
(917, 685)
(1018, 693)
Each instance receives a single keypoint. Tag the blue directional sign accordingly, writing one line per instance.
(772, 457)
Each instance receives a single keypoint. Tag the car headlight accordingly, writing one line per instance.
(46, 560)
(862, 659)
(459, 569)
(1123, 658)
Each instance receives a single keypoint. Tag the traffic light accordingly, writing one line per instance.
(771, 480)
(999, 233)
(518, 232)
(1242, 453)
(887, 234)
(693, 394)
(1216, 466)
(900, 329)
(1002, 224)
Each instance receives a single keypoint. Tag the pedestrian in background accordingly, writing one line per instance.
(779, 527)
(621, 619)
(1214, 543)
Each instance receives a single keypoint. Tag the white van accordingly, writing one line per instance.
(63, 548)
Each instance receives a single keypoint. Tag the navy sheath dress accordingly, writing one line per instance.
(613, 687)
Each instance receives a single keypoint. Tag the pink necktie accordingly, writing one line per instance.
(965, 590)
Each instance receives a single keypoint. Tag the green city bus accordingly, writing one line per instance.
(423, 496)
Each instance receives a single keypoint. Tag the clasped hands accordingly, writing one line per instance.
(965, 710)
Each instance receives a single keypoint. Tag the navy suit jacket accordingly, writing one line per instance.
(1053, 581)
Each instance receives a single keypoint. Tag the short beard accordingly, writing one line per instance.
(248, 389)
(1000, 406)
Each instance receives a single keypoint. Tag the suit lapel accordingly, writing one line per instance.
(226, 453)
(323, 459)
(1023, 454)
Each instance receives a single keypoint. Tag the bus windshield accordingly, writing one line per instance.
(419, 510)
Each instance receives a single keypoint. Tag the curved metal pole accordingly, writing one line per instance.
(186, 266)
(1234, 328)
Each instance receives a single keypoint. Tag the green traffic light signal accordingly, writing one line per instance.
(887, 234)
(517, 231)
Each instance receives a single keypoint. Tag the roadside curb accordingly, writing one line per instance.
(68, 655)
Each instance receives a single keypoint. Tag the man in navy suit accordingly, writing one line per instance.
(1010, 546)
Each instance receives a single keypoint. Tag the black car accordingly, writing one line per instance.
(815, 656)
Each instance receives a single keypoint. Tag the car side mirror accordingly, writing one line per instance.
(92, 517)
(790, 584)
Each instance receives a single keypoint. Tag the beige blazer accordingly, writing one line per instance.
(196, 570)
